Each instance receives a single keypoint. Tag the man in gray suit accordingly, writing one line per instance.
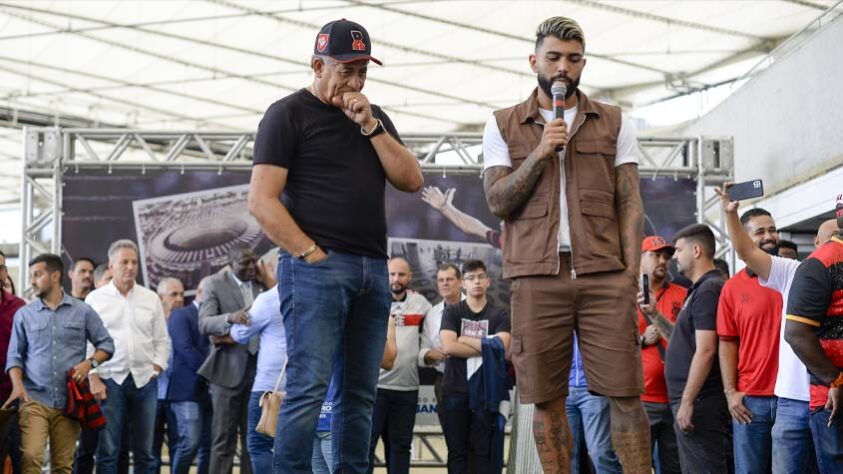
(230, 367)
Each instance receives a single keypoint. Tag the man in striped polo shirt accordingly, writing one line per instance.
(398, 388)
(814, 329)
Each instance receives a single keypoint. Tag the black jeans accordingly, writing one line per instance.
(663, 438)
(708, 447)
(469, 436)
(393, 420)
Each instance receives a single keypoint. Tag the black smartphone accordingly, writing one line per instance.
(645, 287)
(747, 190)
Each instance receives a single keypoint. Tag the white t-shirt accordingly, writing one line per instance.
(793, 380)
(496, 153)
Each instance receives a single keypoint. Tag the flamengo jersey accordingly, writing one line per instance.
(816, 299)
(409, 315)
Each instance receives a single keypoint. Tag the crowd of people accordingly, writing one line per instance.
(735, 373)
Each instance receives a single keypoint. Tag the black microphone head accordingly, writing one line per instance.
(559, 88)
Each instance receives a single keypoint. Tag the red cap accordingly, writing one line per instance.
(656, 242)
(838, 210)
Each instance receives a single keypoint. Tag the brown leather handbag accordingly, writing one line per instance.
(270, 404)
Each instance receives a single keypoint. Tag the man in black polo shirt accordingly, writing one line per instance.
(692, 371)
(330, 152)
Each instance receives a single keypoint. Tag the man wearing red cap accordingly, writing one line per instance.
(814, 329)
(330, 152)
(655, 324)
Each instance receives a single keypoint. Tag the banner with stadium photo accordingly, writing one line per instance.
(185, 222)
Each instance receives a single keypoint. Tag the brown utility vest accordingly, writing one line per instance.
(530, 239)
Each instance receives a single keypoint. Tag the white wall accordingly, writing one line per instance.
(787, 121)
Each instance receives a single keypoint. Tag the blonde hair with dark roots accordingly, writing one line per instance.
(562, 28)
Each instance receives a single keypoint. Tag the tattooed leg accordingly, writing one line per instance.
(631, 434)
(553, 436)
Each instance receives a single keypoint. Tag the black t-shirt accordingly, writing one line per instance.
(335, 183)
(698, 312)
(465, 322)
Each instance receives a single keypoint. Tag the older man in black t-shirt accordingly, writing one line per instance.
(468, 433)
(692, 371)
(330, 152)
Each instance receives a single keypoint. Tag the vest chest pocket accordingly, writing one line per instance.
(595, 166)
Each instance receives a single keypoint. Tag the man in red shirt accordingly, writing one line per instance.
(748, 324)
(653, 321)
(9, 305)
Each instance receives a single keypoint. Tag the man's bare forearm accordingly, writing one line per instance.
(756, 259)
(803, 339)
(507, 190)
(663, 325)
(728, 355)
(279, 226)
(630, 214)
(401, 166)
(698, 372)
(466, 223)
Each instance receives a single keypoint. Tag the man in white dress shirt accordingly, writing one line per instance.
(126, 385)
(449, 284)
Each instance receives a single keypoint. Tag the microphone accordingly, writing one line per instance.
(558, 90)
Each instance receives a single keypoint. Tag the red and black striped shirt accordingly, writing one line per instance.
(816, 299)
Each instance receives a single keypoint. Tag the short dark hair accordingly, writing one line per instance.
(11, 283)
(473, 265)
(755, 212)
(722, 266)
(445, 266)
(82, 259)
(786, 244)
(2, 254)
(236, 250)
(100, 271)
(700, 234)
(51, 261)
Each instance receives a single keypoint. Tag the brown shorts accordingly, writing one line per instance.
(601, 308)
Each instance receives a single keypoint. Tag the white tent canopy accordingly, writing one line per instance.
(217, 64)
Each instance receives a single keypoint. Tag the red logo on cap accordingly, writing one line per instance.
(357, 44)
(322, 42)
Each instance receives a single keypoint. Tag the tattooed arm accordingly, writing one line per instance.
(630, 213)
(662, 324)
(507, 190)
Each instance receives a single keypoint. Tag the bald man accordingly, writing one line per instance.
(398, 387)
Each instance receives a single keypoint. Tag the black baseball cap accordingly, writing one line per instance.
(344, 41)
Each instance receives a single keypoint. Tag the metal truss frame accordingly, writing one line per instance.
(50, 153)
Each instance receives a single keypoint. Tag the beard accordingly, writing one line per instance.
(397, 288)
(770, 250)
(546, 84)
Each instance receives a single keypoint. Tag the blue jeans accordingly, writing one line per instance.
(753, 442)
(393, 420)
(259, 444)
(335, 315)
(322, 459)
(128, 404)
(588, 415)
(793, 447)
(193, 421)
(828, 441)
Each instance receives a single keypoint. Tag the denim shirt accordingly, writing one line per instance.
(45, 344)
(577, 375)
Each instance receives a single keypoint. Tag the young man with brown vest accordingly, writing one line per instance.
(568, 192)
